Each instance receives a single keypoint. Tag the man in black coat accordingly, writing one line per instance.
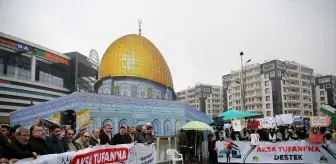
(94, 139)
(106, 135)
(54, 143)
(122, 137)
(37, 142)
(19, 148)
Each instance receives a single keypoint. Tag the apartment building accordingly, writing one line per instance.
(271, 88)
(204, 97)
(325, 91)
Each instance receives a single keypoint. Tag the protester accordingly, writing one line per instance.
(212, 149)
(54, 143)
(141, 135)
(122, 137)
(132, 134)
(150, 139)
(106, 135)
(20, 148)
(94, 139)
(69, 140)
(83, 141)
(37, 140)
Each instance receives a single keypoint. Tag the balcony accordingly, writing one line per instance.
(293, 70)
(294, 100)
(254, 95)
(293, 85)
(253, 102)
(293, 108)
(306, 86)
(289, 77)
(305, 80)
(306, 93)
(253, 88)
(292, 92)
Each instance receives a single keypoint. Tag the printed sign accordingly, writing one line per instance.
(83, 118)
(284, 119)
(238, 125)
(290, 152)
(255, 139)
(253, 124)
(145, 155)
(268, 122)
(238, 151)
(126, 154)
(319, 121)
(101, 156)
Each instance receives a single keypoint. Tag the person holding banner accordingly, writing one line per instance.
(106, 135)
(54, 143)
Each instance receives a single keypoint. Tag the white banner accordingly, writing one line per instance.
(127, 154)
(290, 152)
(238, 151)
(281, 152)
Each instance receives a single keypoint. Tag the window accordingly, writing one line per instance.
(267, 98)
(266, 83)
(266, 75)
(322, 99)
(209, 111)
(321, 86)
(208, 101)
(268, 106)
(224, 85)
(269, 113)
(272, 74)
(279, 73)
(230, 103)
(285, 97)
(321, 92)
(208, 105)
(328, 86)
(284, 89)
(283, 82)
(267, 90)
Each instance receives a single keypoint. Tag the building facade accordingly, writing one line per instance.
(325, 91)
(204, 97)
(31, 74)
(271, 88)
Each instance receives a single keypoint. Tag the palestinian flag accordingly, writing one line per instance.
(331, 112)
(328, 110)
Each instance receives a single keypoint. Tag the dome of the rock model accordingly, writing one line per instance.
(133, 66)
(135, 56)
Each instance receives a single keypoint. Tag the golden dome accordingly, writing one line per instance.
(135, 56)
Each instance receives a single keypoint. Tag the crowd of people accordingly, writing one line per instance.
(18, 142)
(278, 134)
(282, 133)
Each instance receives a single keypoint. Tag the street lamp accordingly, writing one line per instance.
(243, 80)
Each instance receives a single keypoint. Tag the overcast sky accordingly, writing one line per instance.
(200, 40)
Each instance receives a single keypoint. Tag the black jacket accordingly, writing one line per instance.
(141, 138)
(119, 139)
(17, 151)
(104, 139)
(38, 145)
(56, 146)
(93, 141)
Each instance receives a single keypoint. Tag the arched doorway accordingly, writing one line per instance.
(156, 127)
(167, 128)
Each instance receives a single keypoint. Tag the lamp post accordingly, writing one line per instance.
(243, 80)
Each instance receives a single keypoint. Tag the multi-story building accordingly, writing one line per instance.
(204, 97)
(31, 74)
(325, 91)
(274, 87)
